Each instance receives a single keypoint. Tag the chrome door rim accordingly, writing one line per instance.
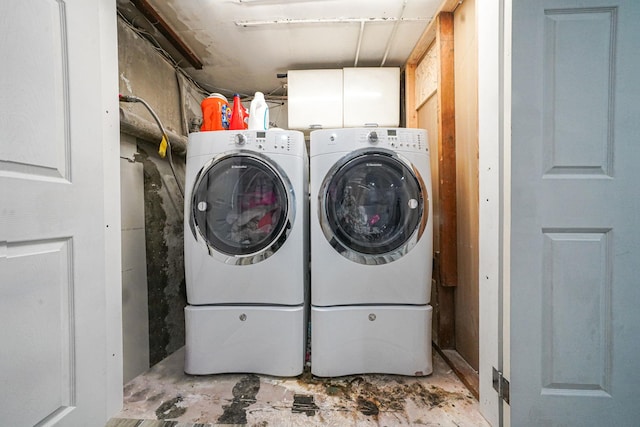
(343, 248)
(280, 237)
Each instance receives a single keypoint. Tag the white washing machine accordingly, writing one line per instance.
(246, 252)
(371, 244)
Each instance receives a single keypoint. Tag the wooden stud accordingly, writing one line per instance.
(447, 151)
(411, 114)
(448, 259)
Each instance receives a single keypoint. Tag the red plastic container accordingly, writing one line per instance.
(238, 115)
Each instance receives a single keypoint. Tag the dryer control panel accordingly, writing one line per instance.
(348, 139)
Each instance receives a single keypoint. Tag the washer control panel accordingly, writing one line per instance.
(267, 141)
(394, 139)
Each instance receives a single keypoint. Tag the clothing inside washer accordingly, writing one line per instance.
(374, 204)
(240, 206)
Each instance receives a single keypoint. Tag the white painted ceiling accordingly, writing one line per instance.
(244, 44)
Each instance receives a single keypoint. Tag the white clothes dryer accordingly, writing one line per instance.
(372, 243)
(246, 252)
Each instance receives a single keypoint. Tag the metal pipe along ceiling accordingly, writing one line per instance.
(355, 62)
(342, 20)
(296, 21)
(393, 33)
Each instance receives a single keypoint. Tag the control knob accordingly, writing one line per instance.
(372, 137)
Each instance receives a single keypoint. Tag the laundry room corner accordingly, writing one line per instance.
(152, 205)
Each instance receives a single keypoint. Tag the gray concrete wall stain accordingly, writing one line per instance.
(165, 255)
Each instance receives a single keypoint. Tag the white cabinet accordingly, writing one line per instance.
(371, 96)
(349, 97)
(315, 99)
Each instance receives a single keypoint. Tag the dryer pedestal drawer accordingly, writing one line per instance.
(254, 339)
(388, 339)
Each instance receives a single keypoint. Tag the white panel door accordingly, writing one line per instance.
(60, 362)
(575, 242)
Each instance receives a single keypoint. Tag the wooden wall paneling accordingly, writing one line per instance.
(440, 30)
(467, 304)
(445, 328)
(428, 119)
(427, 76)
(437, 115)
(427, 114)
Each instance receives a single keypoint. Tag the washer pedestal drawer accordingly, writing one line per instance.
(253, 339)
(385, 339)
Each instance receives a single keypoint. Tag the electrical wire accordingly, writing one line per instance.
(156, 46)
(181, 97)
(165, 138)
(204, 88)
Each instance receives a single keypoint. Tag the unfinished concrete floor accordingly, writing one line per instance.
(166, 393)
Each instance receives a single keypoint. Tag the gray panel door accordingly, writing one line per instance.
(575, 242)
(61, 359)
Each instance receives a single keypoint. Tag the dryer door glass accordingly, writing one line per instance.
(373, 204)
(240, 205)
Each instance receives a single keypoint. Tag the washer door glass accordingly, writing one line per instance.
(373, 206)
(240, 205)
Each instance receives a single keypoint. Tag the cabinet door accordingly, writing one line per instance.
(371, 97)
(315, 99)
